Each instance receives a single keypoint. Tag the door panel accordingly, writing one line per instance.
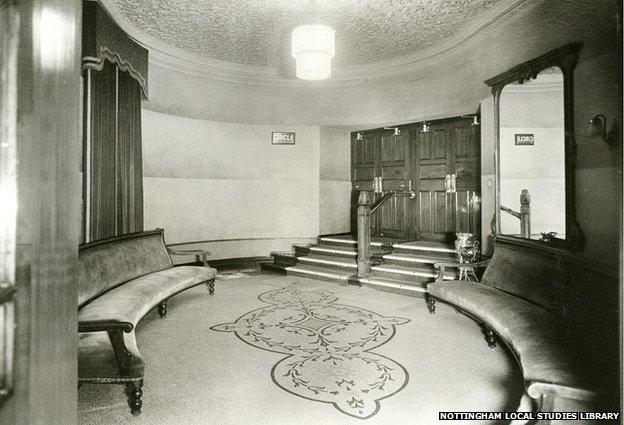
(450, 148)
(392, 217)
(392, 164)
(432, 171)
(467, 211)
(467, 201)
(392, 148)
(393, 175)
(363, 178)
(466, 175)
(364, 159)
(424, 159)
(433, 203)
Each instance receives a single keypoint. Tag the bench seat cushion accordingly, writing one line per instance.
(132, 300)
(536, 336)
(128, 303)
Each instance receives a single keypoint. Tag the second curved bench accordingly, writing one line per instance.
(514, 304)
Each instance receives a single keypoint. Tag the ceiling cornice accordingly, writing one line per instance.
(180, 60)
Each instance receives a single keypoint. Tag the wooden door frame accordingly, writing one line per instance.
(381, 134)
(412, 170)
(48, 212)
(448, 124)
(456, 125)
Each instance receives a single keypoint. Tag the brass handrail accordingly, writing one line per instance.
(381, 201)
(364, 213)
(391, 194)
(524, 215)
(510, 211)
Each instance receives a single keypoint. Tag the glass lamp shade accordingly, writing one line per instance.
(313, 47)
(596, 127)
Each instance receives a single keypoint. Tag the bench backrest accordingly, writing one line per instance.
(527, 270)
(107, 263)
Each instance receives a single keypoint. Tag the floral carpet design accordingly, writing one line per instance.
(328, 347)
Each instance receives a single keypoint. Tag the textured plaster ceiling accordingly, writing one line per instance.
(257, 32)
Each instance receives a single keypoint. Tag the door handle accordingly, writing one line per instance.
(377, 184)
(380, 184)
(410, 192)
(454, 183)
(447, 183)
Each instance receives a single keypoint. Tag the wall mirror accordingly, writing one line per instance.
(535, 150)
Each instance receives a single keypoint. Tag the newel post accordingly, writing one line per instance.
(525, 214)
(364, 234)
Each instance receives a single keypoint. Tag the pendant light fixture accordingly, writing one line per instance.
(313, 47)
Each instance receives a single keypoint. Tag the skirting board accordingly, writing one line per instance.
(231, 263)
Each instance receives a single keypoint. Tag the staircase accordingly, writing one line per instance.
(403, 267)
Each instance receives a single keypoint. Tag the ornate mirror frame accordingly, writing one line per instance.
(565, 58)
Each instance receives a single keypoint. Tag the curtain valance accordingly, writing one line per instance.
(104, 40)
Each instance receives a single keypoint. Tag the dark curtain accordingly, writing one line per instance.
(114, 178)
(130, 183)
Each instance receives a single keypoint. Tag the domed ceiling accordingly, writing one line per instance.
(257, 32)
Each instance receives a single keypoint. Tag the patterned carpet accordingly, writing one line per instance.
(328, 348)
(278, 350)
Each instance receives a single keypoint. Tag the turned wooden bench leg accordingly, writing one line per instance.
(490, 337)
(134, 391)
(430, 303)
(162, 309)
(211, 285)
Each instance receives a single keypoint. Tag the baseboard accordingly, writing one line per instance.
(231, 263)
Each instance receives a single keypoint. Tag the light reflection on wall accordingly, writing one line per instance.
(56, 35)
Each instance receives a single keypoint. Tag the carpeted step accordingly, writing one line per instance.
(408, 273)
(285, 259)
(329, 241)
(430, 249)
(397, 286)
(301, 249)
(329, 262)
(313, 272)
(269, 266)
(331, 251)
(409, 260)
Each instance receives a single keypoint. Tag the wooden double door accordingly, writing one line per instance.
(440, 167)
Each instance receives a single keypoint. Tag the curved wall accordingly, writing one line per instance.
(447, 85)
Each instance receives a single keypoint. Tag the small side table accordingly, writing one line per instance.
(466, 272)
(200, 254)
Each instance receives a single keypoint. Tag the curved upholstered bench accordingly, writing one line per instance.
(518, 302)
(120, 280)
